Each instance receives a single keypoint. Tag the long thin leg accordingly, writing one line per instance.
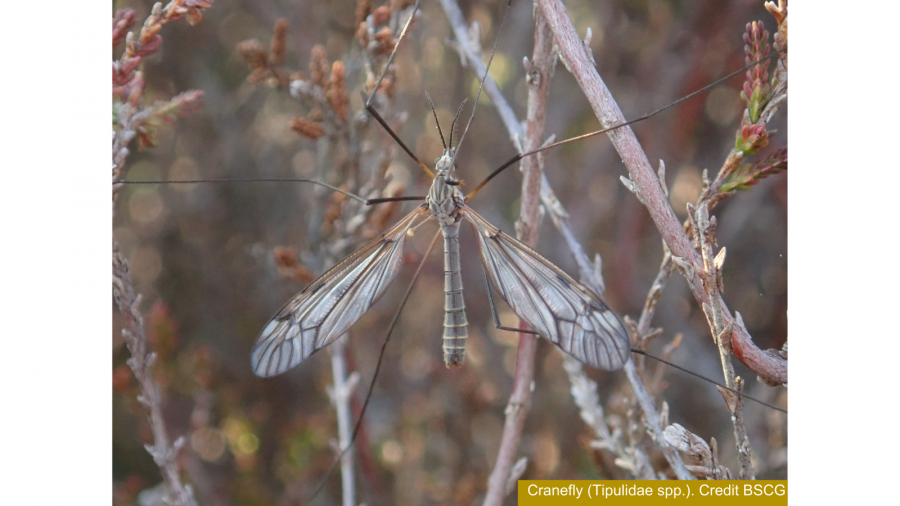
(368, 202)
(704, 378)
(362, 412)
(610, 129)
(268, 180)
(393, 53)
(368, 100)
(481, 86)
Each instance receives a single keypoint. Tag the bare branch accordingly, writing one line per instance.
(560, 219)
(541, 70)
(645, 179)
(141, 359)
(696, 448)
(341, 393)
(608, 112)
(132, 120)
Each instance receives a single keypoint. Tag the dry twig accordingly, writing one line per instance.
(134, 119)
(541, 70)
(560, 219)
(338, 222)
(646, 186)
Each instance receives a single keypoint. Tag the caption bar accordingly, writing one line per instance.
(546, 492)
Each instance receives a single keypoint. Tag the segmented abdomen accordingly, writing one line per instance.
(455, 324)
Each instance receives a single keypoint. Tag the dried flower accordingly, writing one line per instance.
(254, 53)
(266, 65)
(276, 48)
(778, 12)
(319, 69)
(385, 40)
(381, 15)
(307, 128)
(123, 21)
(333, 211)
(339, 100)
(363, 9)
(180, 105)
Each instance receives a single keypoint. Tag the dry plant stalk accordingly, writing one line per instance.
(753, 138)
(339, 134)
(706, 455)
(700, 271)
(527, 232)
(588, 274)
(135, 119)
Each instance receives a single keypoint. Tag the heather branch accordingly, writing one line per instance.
(132, 118)
(572, 48)
(589, 273)
(584, 392)
(135, 120)
(769, 367)
(140, 362)
(734, 175)
(149, 40)
(706, 455)
(540, 72)
(341, 394)
(711, 273)
(337, 222)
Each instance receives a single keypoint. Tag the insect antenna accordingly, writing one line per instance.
(520, 156)
(453, 125)
(437, 122)
(387, 337)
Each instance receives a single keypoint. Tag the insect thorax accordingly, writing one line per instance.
(444, 198)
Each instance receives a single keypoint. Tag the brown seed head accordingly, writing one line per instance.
(307, 128)
(338, 91)
(276, 49)
(318, 66)
(381, 15)
(254, 53)
(363, 9)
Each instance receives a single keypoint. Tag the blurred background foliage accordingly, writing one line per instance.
(201, 254)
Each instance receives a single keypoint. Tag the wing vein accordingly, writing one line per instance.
(331, 304)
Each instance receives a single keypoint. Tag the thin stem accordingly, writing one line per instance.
(646, 183)
(342, 392)
(140, 362)
(461, 35)
(527, 232)
(626, 144)
(656, 288)
(704, 231)
(551, 204)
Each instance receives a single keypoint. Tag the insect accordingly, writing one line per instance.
(225, 224)
(559, 308)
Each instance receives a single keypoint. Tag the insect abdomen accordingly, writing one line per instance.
(455, 324)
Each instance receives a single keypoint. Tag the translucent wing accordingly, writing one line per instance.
(554, 305)
(331, 304)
